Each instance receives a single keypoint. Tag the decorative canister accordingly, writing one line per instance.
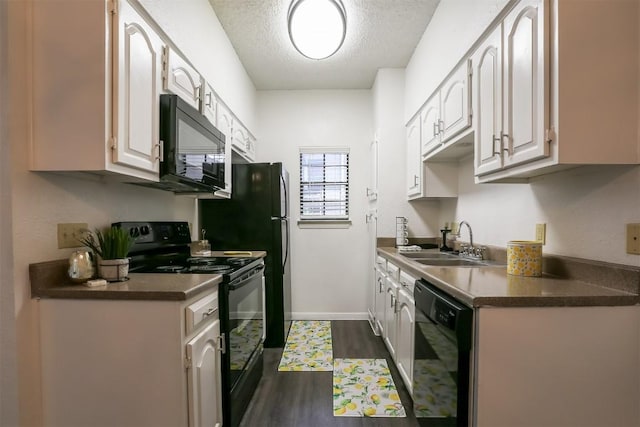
(524, 258)
(80, 266)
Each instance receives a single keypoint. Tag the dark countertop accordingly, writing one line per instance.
(491, 286)
(50, 280)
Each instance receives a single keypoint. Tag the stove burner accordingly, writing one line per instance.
(221, 269)
(169, 268)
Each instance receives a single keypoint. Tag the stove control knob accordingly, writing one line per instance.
(144, 230)
(134, 232)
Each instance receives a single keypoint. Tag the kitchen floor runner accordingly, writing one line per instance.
(364, 388)
(309, 347)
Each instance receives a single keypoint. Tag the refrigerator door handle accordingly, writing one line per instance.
(286, 254)
(286, 196)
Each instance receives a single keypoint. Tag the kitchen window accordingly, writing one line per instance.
(324, 187)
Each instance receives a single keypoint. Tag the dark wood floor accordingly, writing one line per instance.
(304, 399)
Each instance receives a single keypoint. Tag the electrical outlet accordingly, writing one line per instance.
(541, 233)
(633, 239)
(70, 234)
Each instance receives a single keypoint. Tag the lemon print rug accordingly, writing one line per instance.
(309, 347)
(364, 388)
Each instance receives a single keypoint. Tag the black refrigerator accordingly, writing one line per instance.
(257, 218)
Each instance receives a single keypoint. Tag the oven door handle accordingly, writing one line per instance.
(241, 281)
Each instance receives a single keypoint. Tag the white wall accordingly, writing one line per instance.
(585, 209)
(195, 29)
(41, 200)
(388, 110)
(327, 264)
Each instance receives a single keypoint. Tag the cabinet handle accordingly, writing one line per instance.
(392, 302)
(209, 312)
(222, 344)
(435, 128)
(415, 180)
(440, 126)
(207, 98)
(160, 155)
(380, 290)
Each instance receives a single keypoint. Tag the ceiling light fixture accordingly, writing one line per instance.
(317, 27)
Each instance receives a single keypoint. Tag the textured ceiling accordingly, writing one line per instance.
(380, 34)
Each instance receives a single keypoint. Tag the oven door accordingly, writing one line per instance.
(245, 323)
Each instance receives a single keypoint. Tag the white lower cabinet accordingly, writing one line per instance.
(557, 366)
(390, 307)
(380, 290)
(131, 363)
(205, 401)
(397, 316)
(405, 321)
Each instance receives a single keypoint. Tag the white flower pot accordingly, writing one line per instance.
(114, 270)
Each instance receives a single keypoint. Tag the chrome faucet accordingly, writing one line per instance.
(470, 232)
(470, 251)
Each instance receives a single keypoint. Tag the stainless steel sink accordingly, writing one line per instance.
(428, 255)
(458, 262)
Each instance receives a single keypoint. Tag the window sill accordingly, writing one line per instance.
(324, 223)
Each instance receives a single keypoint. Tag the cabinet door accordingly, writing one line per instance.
(240, 139)
(372, 222)
(454, 103)
(405, 337)
(431, 126)
(203, 379)
(372, 188)
(381, 280)
(209, 104)
(224, 121)
(487, 97)
(390, 300)
(525, 83)
(137, 87)
(414, 159)
(181, 78)
(251, 147)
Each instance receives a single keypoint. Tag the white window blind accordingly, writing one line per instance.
(324, 184)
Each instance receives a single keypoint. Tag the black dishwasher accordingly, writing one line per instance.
(443, 340)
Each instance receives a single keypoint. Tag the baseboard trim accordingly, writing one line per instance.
(329, 316)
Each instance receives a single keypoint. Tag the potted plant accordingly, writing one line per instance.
(112, 247)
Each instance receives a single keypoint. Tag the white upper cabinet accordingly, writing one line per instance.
(487, 101)
(243, 142)
(427, 180)
(95, 107)
(209, 103)
(181, 78)
(526, 101)
(446, 117)
(430, 122)
(137, 89)
(454, 104)
(560, 107)
(414, 159)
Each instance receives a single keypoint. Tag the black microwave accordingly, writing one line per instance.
(193, 150)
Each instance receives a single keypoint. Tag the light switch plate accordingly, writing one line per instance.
(541, 233)
(69, 234)
(633, 239)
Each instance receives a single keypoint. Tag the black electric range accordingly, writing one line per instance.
(164, 247)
